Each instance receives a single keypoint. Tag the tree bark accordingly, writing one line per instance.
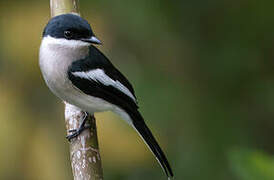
(84, 149)
(58, 7)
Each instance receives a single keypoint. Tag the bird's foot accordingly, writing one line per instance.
(77, 132)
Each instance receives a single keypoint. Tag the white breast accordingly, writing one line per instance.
(56, 55)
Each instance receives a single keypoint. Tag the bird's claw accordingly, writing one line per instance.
(77, 132)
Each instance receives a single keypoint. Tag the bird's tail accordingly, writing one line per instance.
(151, 142)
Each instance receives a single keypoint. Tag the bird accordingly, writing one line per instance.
(80, 74)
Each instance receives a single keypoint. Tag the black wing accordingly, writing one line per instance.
(93, 87)
(96, 60)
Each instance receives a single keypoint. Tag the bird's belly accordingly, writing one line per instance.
(89, 103)
(62, 87)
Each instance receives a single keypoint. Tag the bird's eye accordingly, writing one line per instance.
(68, 34)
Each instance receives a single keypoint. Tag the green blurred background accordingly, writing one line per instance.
(203, 74)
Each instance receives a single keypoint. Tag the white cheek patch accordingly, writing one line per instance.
(100, 76)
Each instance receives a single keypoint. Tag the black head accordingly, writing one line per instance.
(70, 27)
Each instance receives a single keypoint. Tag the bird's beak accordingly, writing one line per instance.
(93, 40)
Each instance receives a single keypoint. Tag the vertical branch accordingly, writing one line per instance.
(58, 7)
(84, 150)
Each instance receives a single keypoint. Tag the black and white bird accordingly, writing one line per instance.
(79, 74)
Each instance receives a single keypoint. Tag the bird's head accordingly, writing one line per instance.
(69, 30)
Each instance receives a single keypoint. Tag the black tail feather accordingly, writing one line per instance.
(149, 139)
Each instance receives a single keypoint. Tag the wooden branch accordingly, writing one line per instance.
(58, 7)
(84, 150)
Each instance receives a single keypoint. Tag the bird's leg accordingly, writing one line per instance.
(83, 126)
